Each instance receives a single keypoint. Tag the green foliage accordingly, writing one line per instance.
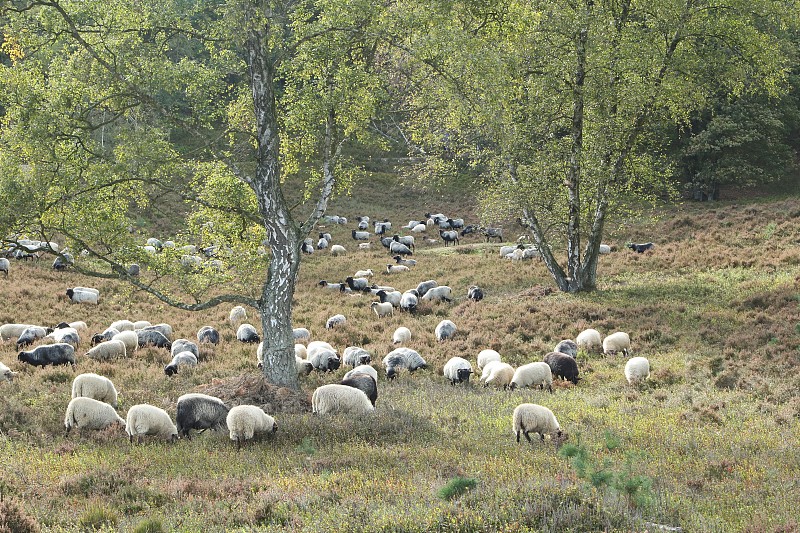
(456, 487)
(97, 517)
(149, 525)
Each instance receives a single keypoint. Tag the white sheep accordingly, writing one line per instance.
(368, 273)
(338, 249)
(301, 334)
(315, 346)
(91, 385)
(362, 369)
(402, 358)
(336, 398)
(538, 373)
(396, 269)
(237, 315)
(637, 369)
(78, 296)
(88, 413)
(604, 249)
(9, 331)
(534, 418)
(442, 293)
(129, 338)
(334, 321)
(401, 335)
(244, 421)
(7, 375)
(445, 330)
(488, 369)
(123, 325)
(145, 419)
(5, 266)
(506, 251)
(500, 375)
(617, 342)
(364, 245)
(382, 309)
(184, 358)
(485, 356)
(108, 350)
(141, 324)
(457, 370)
(589, 340)
(300, 351)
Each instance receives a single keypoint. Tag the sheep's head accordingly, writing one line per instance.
(463, 374)
(274, 427)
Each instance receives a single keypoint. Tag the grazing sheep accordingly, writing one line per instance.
(398, 248)
(390, 297)
(382, 227)
(307, 247)
(419, 228)
(617, 342)
(534, 418)
(184, 345)
(637, 369)
(457, 370)
(338, 249)
(164, 329)
(91, 385)
(488, 369)
(506, 251)
(145, 419)
(449, 237)
(88, 413)
(123, 325)
(78, 296)
(247, 333)
(106, 335)
(604, 249)
(407, 240)
(568, 347)
(475, 293)
(244, 421)
(589, 340)
(335, 398)
(6, 374)
(149, 337)
(355, 356)
(237, 315)
(63, 261)
(301, 334)
(484, 356)
(208, 335)
(357, 284)
(304, 366)
(8, 331)
(533, 374)
(31, 334)
(184, 358)
(401, 335)
(501, 374)
(360, 235)
(382, 309)
(365, 383)
(469, 229)
(134, 270)
(324, 360)
(563, 366)
(67, 335)
(107, 350)
(424, 286)
(363, 369)
(402, 358)
(364, 246)
(442, 293)
(299, 350)
(409, 301)
(640, 248)
(406, 262)
(315, 346)
(368, 273)
(200, 411)
(322, 243)
(129, 338)
(334, 321)
(445, 330)
(49, 354)
(493, 233)
(5, 265)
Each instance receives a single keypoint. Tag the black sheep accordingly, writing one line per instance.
(365, 383)
(49, 354)
(562, 366)
(201, 412)
(641, 248)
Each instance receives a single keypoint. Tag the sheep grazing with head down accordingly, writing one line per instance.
(301, 335)
(401, 335)
(533, 418)
(113, 349)
(589, 340)
(164, 329)
(208, 335)
(335, 321)
(237, 315)
(323, 357)
(402, 358)
(568, 347)
(355, 356)
(200, 412)
(531, 375)
(149, 337)
(88, 413)
(485, 356)
(247, 333)
(180, 359)
(106, 335)
(6, 374)
(335, 398)
(66, 335)
(563, 366)
(475, 293)
(363, 369)
(145, 419)
(5, 266)
(637, 370)
(442, 293)
(365, 383)
(91, 385)
(49, 354)
(457, 370)
(245, 421)
(337, 250)
(445, 330)
(617, 342)
(30, 335)
(9, 331)
(500, 374)
(130, 339)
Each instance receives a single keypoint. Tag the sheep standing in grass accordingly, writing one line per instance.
(392, 297)
(123, 325)
(244, 421)
(409, 301)
(301, 334)
(563, 366)
(247, 333)
(324, 359)
(533, 374)
(237, 315)
(443, 293)
(355, 356)
(335, 321)
(129, 338)
(94, 386)
(80, 296)
(149, 337)
(184, 345)
(445, 330)
(617, 342)
(589, 340)
(338, 249)
(200, 412)
(5, 266)
(66, 335)
(500, 375)
(88, 413)
(402, 358)
(50, 354)
(365, 383)
(6, 374)
(106, 335)
(637, 369)
(382, 309)
(485, 356)
(8, 331)
(568, 347)
(363, 369)
(533, 418)
(107, 350)
(487, 370)
(208, 335)
(31, 335)
(164, 329)
(335, 398)
(145, 419)
(457, 370)
(401, 335)
(184, 358)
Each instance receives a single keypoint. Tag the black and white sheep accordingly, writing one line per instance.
(354, 356)
(184, 345)
(336, 398)
(184, 358)
(112, 349)
(50, 354)
(567, 346)
(449, 237)
(392, 297)
(382, 227)
(563, 366)
(200, 412)
(361, 235)
(322, 243)
(445, 330)
(6, 374)
(32, 334)
(533, 418)
(493, 233)
(365, 383)
(208, 335)
(151, 337)
(325, 360)
(79, 296)
(63, 261)
(145, 419)
(332, 286)
(405, 262)
(475, 293)
(457, 370)
(245, 421)
(88, 413)
(106, 335)
(66, 335)
(409, 301)
(533, 374)
(637, 369)
(424, 286)
(640, 248)
(617, 342)
(94, 386)
(335, 321)
(401, 358)
(589, 340)
(396, 269)
(398, 248)
(357, 284)
(401, 335)
(247, 333)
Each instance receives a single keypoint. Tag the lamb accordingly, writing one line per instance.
(94, 386)
(357, 284)
(324, 359)
(401, 335)
(88, 413)
(485, 356)
(334, 321)
(237, 315)
(409, 301)
(336, 398)
(184, 358)
(247, 333)
(338, 249)
(457, 370)
(568, 347)
(363, 369)
(7, 331)
(424, 286)
(445, 330)
(640, 248)
(475, 293)
(617, 342)
(5, 266)
(164, 329)
(533, 374)
(6, 374)
(208, 335)
(533, 418)
(360, 235)
(382, 309)
(355, 356)
(368, 273)
(145, 419)
(402, 358)
(501, 374)
(407, 262)
(200, 411)
(301, 334)
(244, 421)
(443, 293)
(365, 383)
(563, 366)
(31, 334)
(449, 237)
(589, 340)
(184, 345)
(49, 354)
(148, 337)
(78, 296)
(129, 338)
(104, 351)
(637, 369)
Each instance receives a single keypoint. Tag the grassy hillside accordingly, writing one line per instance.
(708, 444)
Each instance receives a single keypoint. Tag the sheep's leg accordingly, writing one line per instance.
(517, 434)
(527, 436)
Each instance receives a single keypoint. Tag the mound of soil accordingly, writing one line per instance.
(254, 389)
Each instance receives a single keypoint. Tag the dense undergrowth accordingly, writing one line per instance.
(707, 444)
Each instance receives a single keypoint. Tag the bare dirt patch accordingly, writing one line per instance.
(253, 389)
